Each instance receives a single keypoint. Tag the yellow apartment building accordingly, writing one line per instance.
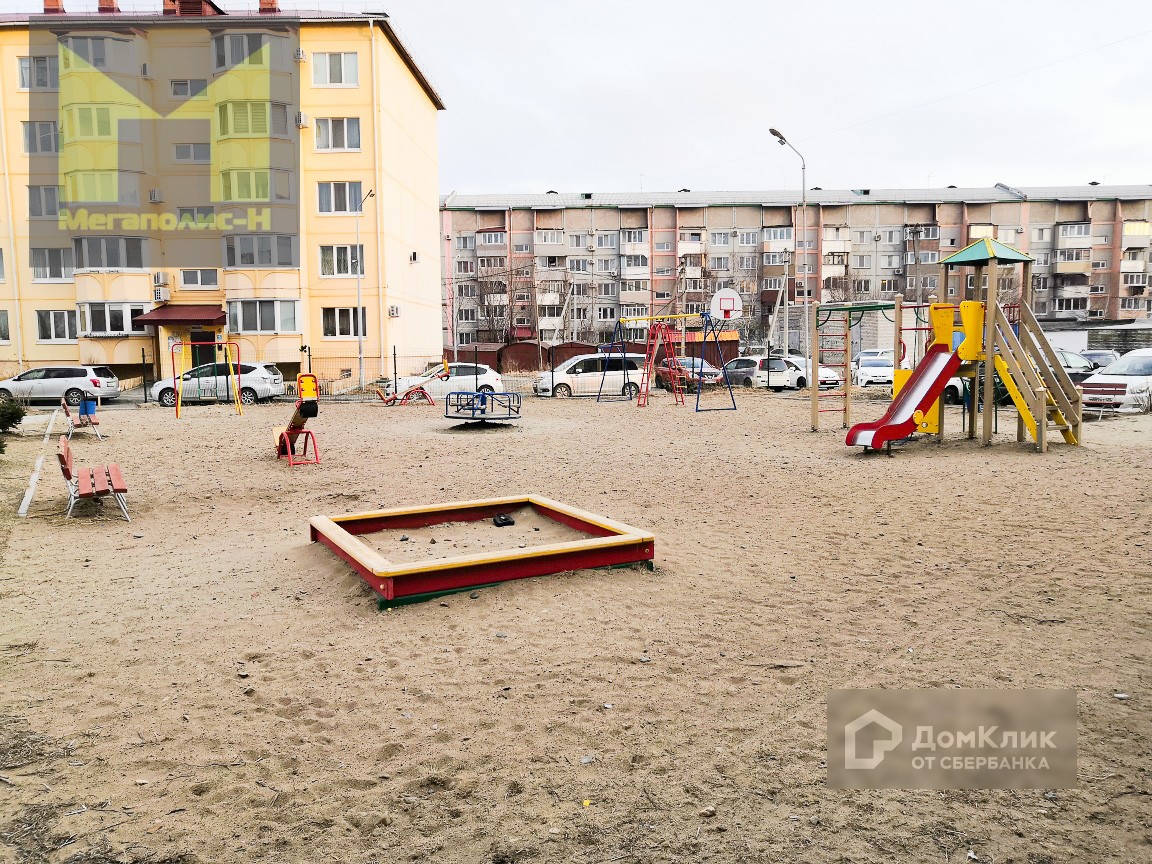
(197, 176)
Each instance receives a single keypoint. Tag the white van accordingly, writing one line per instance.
(583, 375)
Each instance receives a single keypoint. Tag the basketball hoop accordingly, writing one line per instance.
(726, 305)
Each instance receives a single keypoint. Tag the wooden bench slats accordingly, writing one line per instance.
(117, 478)
(84, 478)
(100, 476)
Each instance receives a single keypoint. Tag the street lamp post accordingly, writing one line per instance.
(804, 223)
(359, 315)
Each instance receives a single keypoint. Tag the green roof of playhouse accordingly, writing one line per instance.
(985, 250)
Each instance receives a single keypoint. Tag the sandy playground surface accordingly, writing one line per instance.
(204, 685)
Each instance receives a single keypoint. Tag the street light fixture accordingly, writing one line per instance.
(360, 303)
(804, 222)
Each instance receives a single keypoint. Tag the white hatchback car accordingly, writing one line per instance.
(212, 382)
(1125, 385)
(593, 374)
(460, 378)
(874, 370)
(798, 377)
(757, 370)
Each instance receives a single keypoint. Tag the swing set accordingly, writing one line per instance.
(231, 376)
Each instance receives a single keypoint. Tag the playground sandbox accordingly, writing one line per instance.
(205, 684)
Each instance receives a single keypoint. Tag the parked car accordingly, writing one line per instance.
(1132, 372)
(71, 383)
(1100, 357)
(213, 382)
(461, 377)
(1077, 367)
(757, 370)
(586, 374)
(874, 370)
(693, 369)
(871, 352)
(796, 367)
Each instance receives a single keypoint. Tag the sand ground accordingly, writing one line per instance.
(205, 685)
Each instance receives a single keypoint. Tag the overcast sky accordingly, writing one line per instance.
(600, 95)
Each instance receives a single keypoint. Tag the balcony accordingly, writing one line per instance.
(1073, 267)
(831, 246)
(689, 247)
(94, 286)
(260, 284)
(636, 272)
(1075, 242)
(636, 248)
(1133, 266)
(691, 272)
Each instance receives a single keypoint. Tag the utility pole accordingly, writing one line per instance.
(804, 222)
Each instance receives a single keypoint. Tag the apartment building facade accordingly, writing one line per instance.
(559, 267)
(266, 179)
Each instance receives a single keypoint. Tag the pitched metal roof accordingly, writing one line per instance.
(984, 250)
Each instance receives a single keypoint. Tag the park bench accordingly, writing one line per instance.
(91, 481)
(81, 420)
(1103, 397)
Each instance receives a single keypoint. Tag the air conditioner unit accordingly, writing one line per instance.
(301, 120)
(160, 295)
(144, 71)
(155, 196)
(899, 271)
(301, 54)
(159, 278)
(447, 236)
(393, 311)
(877, 237)
(591, 248)
(414, 257)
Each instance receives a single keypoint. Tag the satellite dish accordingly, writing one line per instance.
(726, 305)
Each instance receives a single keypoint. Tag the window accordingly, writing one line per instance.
(922, 232)
(110, 319)
(634, 285)
(746, 262)
(1039, 283)
(5, 335)
(861, 286)
(635, 260)
(51, 264)
(719, 262)
(335, 69)
(578, 241)
(41, 136)
(260, 250)
(605, 313)
(522, 247)
(929, 281)
(837, 258)
(238, 49)
(890, 262)
(1097, 289)
(341, 321)
(720, 238)
(1071, 304)
(338, 133)
(189, 88)
(929, 257)
(578, 265)
(889, 286)
(44, 201)
(606, 241)
(1079, 229)
(1073, 254)
(693, 308)
(207, 279)
(1131, 303)
(239, 119)
(56, 325)
(91, 49)
(1041, 235)
(632, 235)
(606, 289)
(1100, 265)
(467, 289)
(491, 238)
(549, 311)
(663, 295)
(862, 262)
(863, 237)
(664, 246)
(204, 216)
(258, 185)
(1043, 259)
(773, 284)
(262, 316)
(1135, 278)
(194, 152)
(605, 265)
(492, 262)
(108, 253)
(341, 197)
(777, 233)
(835, 232)
(550, 237)
(464, 337)
(1, 265)
(342, 260)
(775, 259)
(467, 315)
(39, 73)
(1133, 254)
(466, 242)
(88, 121)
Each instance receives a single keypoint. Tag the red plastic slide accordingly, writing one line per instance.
(918, 394)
